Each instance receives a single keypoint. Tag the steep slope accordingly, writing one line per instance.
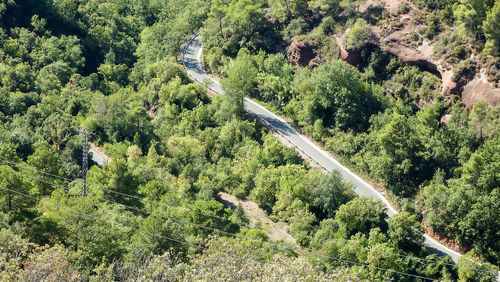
(190, 60)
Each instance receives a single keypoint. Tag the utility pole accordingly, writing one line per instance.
(85, 153)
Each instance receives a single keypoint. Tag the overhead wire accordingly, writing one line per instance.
(130, 207)
(105, 220)
(229, 220)
(122, 194)
(204, 248)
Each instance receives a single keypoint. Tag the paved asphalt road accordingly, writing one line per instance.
(191, 61)
(99, 157)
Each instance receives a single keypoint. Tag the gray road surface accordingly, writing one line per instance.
(98, 158)
(191, 61)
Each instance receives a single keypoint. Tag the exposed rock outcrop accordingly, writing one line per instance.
(404, 42)
(316, 61)
(353, 57)
(300, 53)
(480, 88)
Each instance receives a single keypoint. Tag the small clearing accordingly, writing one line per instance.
(275, 230)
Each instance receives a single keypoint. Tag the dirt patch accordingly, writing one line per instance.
(275, 230)
(445, 240)
(392, 6)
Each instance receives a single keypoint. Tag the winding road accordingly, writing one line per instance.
(191, 55)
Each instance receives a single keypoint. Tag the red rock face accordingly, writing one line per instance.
(315, 62)
(480, 88)
(300, 53)
(351, 57)
(471, 87)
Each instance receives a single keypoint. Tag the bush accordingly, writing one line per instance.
(465, 70)
(432, 27)
(358, 35)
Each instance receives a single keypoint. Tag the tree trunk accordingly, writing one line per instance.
(288, 12)
(220, 28)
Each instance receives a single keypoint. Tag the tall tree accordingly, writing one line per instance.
(361, 215)
(491, 30)
(470, 15)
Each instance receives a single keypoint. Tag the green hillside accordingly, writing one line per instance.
(154, 211)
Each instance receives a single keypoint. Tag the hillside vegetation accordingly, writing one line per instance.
(153, 213)
(387, 119)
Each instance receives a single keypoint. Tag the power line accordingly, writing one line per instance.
(130, 207)
(246, 224)
(203, 248)
(105, 220)
(229, 220)
(126, 195)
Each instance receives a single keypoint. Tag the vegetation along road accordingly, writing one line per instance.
(191, 60)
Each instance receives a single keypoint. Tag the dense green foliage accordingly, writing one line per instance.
(386, 119)
(108, 66)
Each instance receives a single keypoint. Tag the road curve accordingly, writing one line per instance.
(191, 55)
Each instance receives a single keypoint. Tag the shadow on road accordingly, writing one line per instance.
(277, 125)
(190, 58)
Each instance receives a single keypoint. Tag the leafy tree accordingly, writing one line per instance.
(46, 160)
(185, 149)
(57, 129)
(398, 165)
(115, 177)
(481, 225)
(160, 40)
(284, 10)
(336, 94)
(360, 215)
(217, 13)
(435, 201)
(276, 154)
(483, 119)
(19, 77)
(239, 214)
(325, 6)
(377, 258)
(215, 209)
(266, 188)
(405, 231)
(234, 24)
(326, 231)
(93, 240)
(145, 244)
(331, 193)
(11, 201)
(351, 5)
(242, 78)
(491, 31)
(302, 223)
(471, 14)
(65, 49)
(358, 35)
(482, 169)
(246, 17)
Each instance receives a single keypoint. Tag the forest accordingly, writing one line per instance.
(154, 212)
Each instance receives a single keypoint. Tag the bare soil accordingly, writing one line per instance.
(275, 230)
(446, 240)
